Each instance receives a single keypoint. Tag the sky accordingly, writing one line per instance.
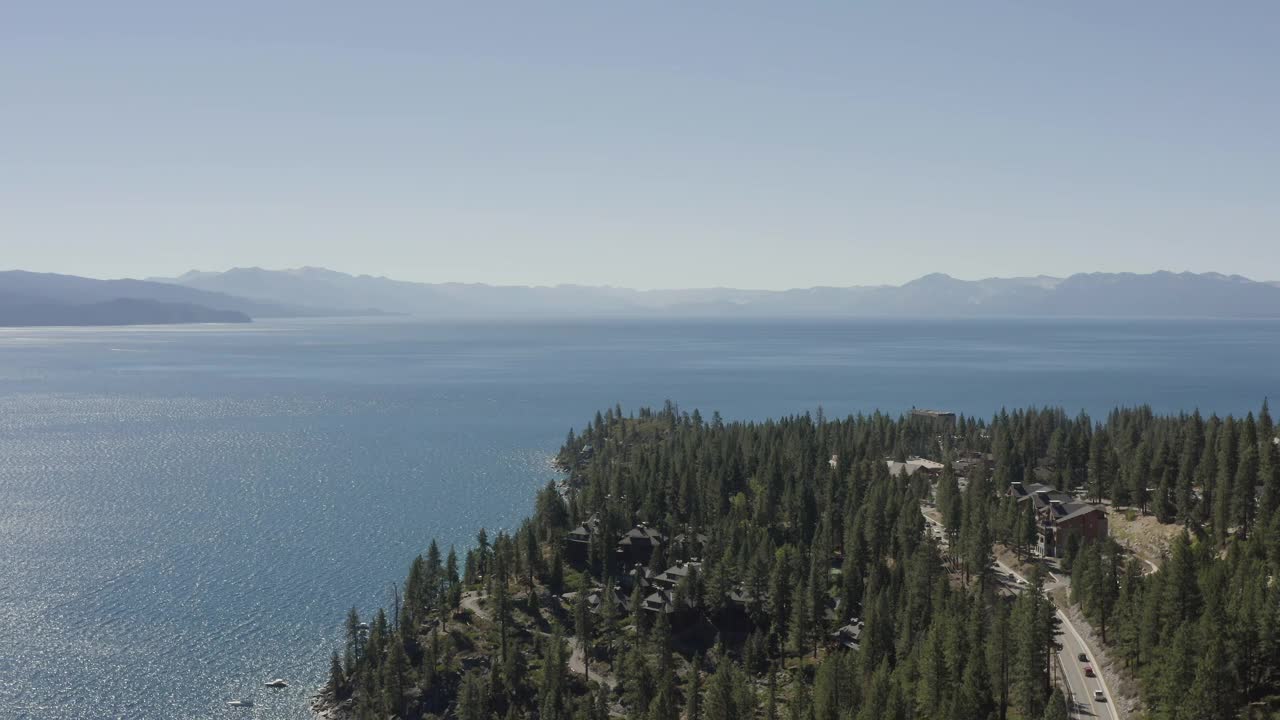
(651, 145)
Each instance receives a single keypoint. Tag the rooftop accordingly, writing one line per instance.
(912, 465)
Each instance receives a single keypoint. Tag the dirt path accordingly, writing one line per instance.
(471, 602)
(577, 664)
(577, 660)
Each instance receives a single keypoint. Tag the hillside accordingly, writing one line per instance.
(121, 311)
(727, 570)
(22, 291)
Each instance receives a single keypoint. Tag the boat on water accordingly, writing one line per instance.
(277, 683)
(240, 703)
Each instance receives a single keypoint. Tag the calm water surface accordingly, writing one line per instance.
(186, 512)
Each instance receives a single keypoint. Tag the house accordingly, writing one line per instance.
(933, 414)
(969, 462)
(638, 543)
(668, 597)
(680, 611)
(734, 616)
(669, 578)
(577, 546)
(599, 598)
(832, 610)
(849, 636)
(638, 576)
(1084, 521)
(1059, 517)
(914, 465)
(688, 545)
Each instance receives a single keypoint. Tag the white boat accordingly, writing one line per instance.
(240, 703)
(278, 683)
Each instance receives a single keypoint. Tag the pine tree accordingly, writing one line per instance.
(799, 708)
(1034, 627)
(1223, 488)
(934, 681)
(337, 678)
(1268, 464)
(1163, 502)
(355, 635)
(1245, 498)
(720, 701)
(826, 689)
(771, 695)
(1179, 575)
(1027, 531)
(999, 660)
(1057, 707)
(551, 695)
(583, 628)
(472, 698)
(1139, 474)
(949, 502)
(693, 692)
(663, 705)
(395, 677)
(800, 626)
(1184, 495)
(1099, 465)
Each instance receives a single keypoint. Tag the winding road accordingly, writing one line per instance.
(1081, 687)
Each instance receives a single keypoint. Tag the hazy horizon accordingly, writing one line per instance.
(641, 288)
(742, 145)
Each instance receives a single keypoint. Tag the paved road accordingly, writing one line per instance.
(1082, 688)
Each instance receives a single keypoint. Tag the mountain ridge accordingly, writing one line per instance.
(38, 299)
(1157, 294)
(120, 311)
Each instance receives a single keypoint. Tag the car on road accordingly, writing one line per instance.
(1082, 657)
(1088, 671)
(1098, 696)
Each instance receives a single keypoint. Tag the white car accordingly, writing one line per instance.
(1098, 696)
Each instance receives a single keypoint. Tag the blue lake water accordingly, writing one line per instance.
(186, 512)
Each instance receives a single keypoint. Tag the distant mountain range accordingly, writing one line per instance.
(28, 299)
(242, 293)
(121, 311)
(1160, 294)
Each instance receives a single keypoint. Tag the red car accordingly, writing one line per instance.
(1088, 671)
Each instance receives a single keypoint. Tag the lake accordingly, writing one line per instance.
(188, 511)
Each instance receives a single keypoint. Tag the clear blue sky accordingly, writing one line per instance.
(644, 144)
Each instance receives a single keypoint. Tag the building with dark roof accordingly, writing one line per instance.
(680, 610)
(1059, 517)
(638, 576)
(638, 543)
(577, 546)
(689, 545)
(669, 578)
(599, 597)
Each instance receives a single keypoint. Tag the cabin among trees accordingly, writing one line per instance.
(639, 544)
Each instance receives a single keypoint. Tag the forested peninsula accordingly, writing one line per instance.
(861, 568)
